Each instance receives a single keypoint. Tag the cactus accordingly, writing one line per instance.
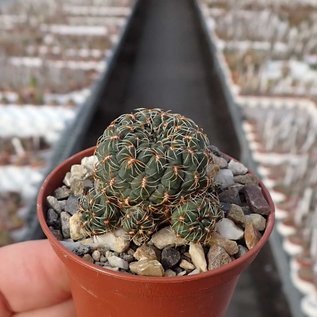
(152, 156)
(99, 215)
(194, 219)
(154, 168)
(138, 223)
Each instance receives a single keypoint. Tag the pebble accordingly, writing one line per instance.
(88, 258)
(147, 268)
(145, 252)
(230, 246)
(197, 255)
(236, 214)
(231, 195)
(127, 257)
(186, 265)
(237, 168)
(228, 229)
(166, 236)
(62, 192)
(117, 240)
(76, 230)
(217, 257)
(64, 218)
(170, 257)
(194, 272)
(54, 203)
(111, 268)
(224, 178)
(89, 163)
(103, 259)
(116, 261)
(242, 250)
(52, 218)
(72, 205)
(169, 273)
(57, 233)
(258, 221)
(182, 273)
(81, 249)
(67, 179)
(221, 162)
(256, 200)
(96, 255)
(246, 179)
(251, 235)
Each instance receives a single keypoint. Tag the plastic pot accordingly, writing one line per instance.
(101, 292)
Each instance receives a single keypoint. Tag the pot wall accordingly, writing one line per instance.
(101, 292)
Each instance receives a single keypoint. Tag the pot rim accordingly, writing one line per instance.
(137, 278)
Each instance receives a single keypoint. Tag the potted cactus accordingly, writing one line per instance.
(163, 222)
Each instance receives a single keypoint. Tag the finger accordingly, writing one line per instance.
(31, 277)
(64, 309)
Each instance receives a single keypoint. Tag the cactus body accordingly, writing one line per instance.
(194, 219)
(154, 168)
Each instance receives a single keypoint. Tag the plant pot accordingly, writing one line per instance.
(101, 292)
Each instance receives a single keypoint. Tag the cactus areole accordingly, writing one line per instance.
(154, 168)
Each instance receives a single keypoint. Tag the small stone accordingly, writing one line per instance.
(147, 268)
(256, 200)
(231, 247)
(62, 192)
(57, 233)
(72, 205)
(116, 261)
(88, 258)
(182, 273)
(76, 230)
(197, 255)
(236, 214)
(80, 249)
(77, 186)
(224, 178)
(67, 179)
(231, 195)
(103, 259)
(118, 240)
(221, 162)
(89, 164)
(237, 168)
(65, 217)
(194, 272)
(127, 257)
(242, 250)
(166, 236)
(96, 255)
(145, 252)
(169, 273)
(52, 218)
(54, 203)
(88, 184)
(78, 171)
(217, 257)
(170, 257)
(186, 265)
(258, 221)
(111, 268)
(246, 179)
(228, 229)
(251, 235)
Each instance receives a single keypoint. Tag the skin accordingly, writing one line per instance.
(33, 282)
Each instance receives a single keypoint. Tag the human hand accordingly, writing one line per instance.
(33, 282)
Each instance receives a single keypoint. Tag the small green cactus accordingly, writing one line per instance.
(99, 215)
(154, 168)
(194, 219)
(139, 223)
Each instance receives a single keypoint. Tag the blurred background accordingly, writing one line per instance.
(245, 71)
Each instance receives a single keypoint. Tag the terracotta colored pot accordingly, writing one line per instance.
(100, 292)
